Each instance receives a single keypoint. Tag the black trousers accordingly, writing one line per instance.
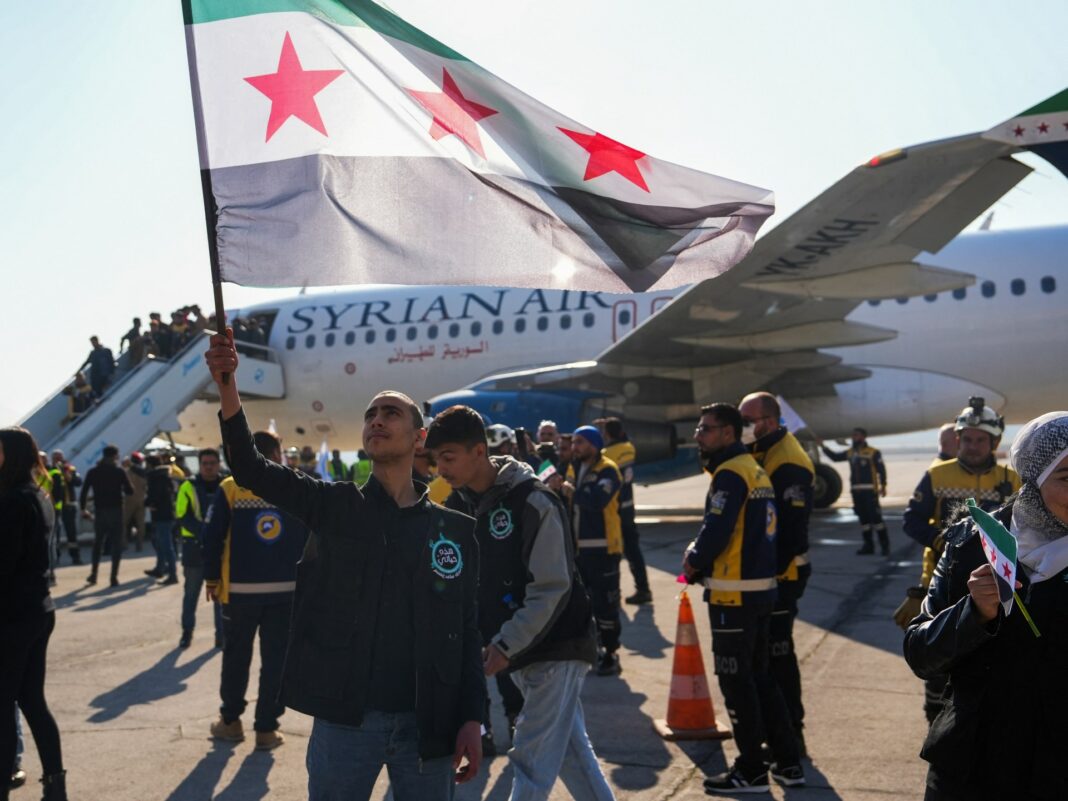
(22, 678)
(107, 526)
(783, 657)
(241, 621)
(69, 516)
(867, 508)
(600, 573)
(754, 703)
(632, 551)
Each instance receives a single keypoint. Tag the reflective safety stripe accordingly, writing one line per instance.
(264, 586)
(626, 505)
(742, 585)
(801, 559)
(863, 486)
(593, 543)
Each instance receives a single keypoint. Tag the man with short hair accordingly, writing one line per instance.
(108, 484)
(336, 467)
(159, 500)
(619, 449)
(195, 496)
(101, 365)
(136, 342)
(948, 444)
(533, 610)
(592, 489)
(791, 473)
(133, 508)
(360, 471)
(309, 463)
(564, 454)
(384, 650)
(250, 553)
(735, 557)
(867, 481)
(547, 431)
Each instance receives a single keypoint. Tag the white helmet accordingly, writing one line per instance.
(980, 416)
(498, 434)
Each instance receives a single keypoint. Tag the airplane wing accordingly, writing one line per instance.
(762, 324)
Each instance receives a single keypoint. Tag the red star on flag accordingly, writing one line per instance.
(1007, 570)
(453, 113)
(608, 155)
(292, 90)
(1043, 128)
(1018, 131)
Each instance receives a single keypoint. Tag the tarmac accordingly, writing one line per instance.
(134, 710)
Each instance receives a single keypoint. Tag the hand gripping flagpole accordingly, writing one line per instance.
(210, 210)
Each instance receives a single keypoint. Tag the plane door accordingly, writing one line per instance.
(624, 318)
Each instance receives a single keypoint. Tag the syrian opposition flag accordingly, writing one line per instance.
(1042, 129)
(1000, 548)
(343, 145)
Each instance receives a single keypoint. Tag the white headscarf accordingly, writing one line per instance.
(1042, 538)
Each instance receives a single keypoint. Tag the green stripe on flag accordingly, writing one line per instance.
(993, 528)
(363, 13)
(1059, 102)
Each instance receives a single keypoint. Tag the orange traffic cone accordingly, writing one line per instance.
(690, 715)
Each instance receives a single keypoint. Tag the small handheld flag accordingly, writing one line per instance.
(546, 470)
(999, 545)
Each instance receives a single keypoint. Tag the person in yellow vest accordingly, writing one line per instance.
(592, 491)
(867, 480)
(619, 449)
(735, 557)
(195, 496)
(69, 512)
(51, 482)
(944, 488)
(792, 474)
(361, 469)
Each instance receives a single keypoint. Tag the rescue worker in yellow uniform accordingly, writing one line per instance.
(943, 490)
(592, 490)
(867, 480)
(735, 557)
(619, 449)
(792, 474)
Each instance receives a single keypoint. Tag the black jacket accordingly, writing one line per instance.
(108, 484)
(159, 495)
(1001, 731)
(328, 660)
(24, 532)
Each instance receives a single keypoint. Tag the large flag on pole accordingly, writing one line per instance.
(342, 145)
(1000, 548)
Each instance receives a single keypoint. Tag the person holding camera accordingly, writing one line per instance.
(975, 473)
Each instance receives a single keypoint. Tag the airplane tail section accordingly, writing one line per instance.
(1042, 129)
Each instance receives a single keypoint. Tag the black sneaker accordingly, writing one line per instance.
(866, 549)
(788, 775)
(114, 582)
(733, 781)
(18, 778)
(489, 748)
(608, 665)
(91, 579)
(187, 638)
(168, 581)
(153, 573)
(640, 597)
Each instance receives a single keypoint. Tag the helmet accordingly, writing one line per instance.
(137, 457)
(498, 434)
(980, 416)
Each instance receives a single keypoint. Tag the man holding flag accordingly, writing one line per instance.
(995, 621)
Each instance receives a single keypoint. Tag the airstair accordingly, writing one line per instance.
(146, 399)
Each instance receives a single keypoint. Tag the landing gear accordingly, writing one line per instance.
(827, 487)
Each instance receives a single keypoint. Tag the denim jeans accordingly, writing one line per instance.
(163, 537)
(194, 584)
(344, 761)
(550, 735)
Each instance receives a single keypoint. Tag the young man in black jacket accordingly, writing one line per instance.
(384, 648)
(108, 484)
(534, 614)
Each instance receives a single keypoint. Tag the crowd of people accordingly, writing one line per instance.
(531, 531)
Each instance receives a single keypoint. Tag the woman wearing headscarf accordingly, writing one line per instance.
(1003, 732)
(27, 614)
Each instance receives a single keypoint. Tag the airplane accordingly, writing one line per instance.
(867, 307)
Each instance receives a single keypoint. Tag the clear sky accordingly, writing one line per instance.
(101, 217)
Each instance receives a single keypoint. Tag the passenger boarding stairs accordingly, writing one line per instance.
(144, 400)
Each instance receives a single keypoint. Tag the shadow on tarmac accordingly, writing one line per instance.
(248, 784)
(163, 679)
(653, 644)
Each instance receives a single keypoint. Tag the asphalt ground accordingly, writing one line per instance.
(134, 710)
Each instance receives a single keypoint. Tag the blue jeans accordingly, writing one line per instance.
(163, 538)
(550, 735)
(194, 583)
(344, 761)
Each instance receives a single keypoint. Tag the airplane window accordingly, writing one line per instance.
(543, 323)
(411, 333)
(330, 339)
(1049, 284)
(624, 317)
(565, 321)
(902, 301)
(350, 337)
(476, 328)
(454, 330)
(291, 342)
(930, 298)
(498, 326)
(960, 293)
(874, 302)
(588, 319)
(391, 334)
(1018, 286)
(309, 341)
(987, 288)
(369, 337)
(520, 325)
(432, 332)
